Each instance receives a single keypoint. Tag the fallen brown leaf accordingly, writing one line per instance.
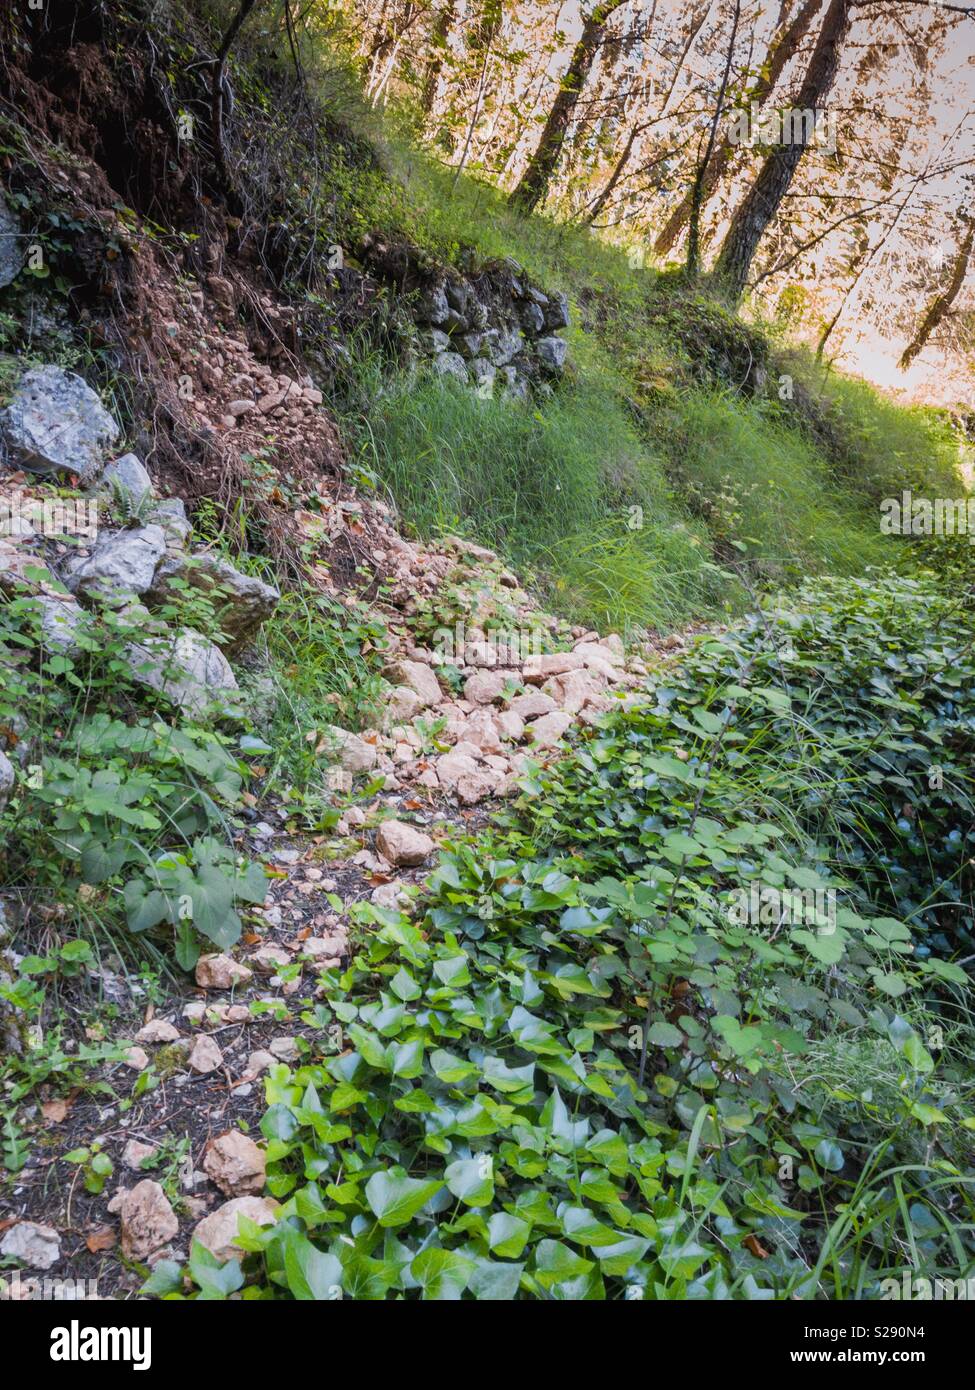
(101, 1238)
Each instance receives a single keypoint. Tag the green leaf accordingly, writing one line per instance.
(496, 1282)
(443, 1275)
(216, 1280)
(555, 1263)
(507, 1234)
(395, 1198)
(471, 1180)
(166, 1277)
(665, 1035)
(829, 1155)
(312, 1275)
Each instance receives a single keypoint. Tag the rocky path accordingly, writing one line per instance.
(482, 688)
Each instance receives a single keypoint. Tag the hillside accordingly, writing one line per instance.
(485, 800)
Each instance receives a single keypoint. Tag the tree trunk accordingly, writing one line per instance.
(784, 46)
(942, 303)
(697, 191)
(763, 198)
(476, 112)
(438, 42)
(534, 183)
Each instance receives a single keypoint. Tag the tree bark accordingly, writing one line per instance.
(941, 305)
(534, 183)
(697, 191)
(762, 201)
(442, 26)
(784, 46)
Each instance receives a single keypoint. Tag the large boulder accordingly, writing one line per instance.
(532, 318)
(170, 514)
(122, 564)
(450, 364)
(11, 256)
(502, 345)
(433, 306)
(241, 602)
(187, 668)
(55, 423)
(557, 312)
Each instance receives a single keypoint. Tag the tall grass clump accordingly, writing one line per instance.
(565, 489)
(876, 446)
(764, 488)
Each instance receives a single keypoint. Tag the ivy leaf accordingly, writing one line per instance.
(829, 1155)
(443, 1275)
(395, 1198)
(217, 1281)
(496, 1282)
(312, 1275)
(507, 1234)
(166, 1277)
(471, 1180)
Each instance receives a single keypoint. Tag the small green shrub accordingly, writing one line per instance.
(117, 810)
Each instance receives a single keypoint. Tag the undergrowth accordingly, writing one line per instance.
(565, 489)
(579, 1074)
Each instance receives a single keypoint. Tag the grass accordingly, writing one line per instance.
(320, 676)
(878, 447)
(565, 489)
(447, 214)
(655, 414)
(789, 488)
(762, 485)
